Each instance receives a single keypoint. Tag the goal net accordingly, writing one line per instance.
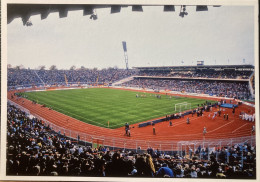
(182, 106)
(97, 142)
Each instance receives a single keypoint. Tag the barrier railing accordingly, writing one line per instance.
(19, 106)
(180, 147)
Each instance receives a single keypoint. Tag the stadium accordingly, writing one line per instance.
(196, 120)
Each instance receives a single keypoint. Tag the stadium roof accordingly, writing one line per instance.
(25, 11)
(197, 66)
(150, 41)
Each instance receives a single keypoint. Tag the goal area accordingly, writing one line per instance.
(182, 106)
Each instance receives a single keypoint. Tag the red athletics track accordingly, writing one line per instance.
(180, 131)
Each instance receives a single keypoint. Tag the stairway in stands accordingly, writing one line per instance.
(123, 80)
(39, 77)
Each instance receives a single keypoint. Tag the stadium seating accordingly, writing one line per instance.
(216, 87)
(27, 77)
(199, 74)
(34, 149)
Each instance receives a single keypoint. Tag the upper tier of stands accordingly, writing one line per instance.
(200, 74)
(239, 72)
(213, 79)
(50, 77)
(27, 76)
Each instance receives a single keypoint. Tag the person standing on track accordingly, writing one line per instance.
(219, 112)
(253, 129)
(204, 130)
(188, 120)
(154, 131)
(128, 132)
(233, 111)
(126, 128)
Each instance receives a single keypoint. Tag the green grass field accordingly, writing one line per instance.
(97, 106)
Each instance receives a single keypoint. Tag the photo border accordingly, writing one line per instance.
(124, 2)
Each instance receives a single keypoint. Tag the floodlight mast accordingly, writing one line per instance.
(125, 54)
(126, 60)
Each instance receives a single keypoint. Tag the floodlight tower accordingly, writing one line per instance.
(125, 54)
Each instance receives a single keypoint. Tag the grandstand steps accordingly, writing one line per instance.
(123, 81)
(39, 77)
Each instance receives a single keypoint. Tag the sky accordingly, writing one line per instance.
(220, 36)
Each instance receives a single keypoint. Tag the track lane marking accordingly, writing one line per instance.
(239, 128)
(221, 126)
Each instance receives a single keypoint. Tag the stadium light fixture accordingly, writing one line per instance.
(183, 11)
(28, 23)
(25, 19)
(89, 10)
(115, 9)
(94, 15)
(137, 8)
(169, 8)
(201, 8)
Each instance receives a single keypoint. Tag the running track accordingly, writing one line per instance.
(180, 131)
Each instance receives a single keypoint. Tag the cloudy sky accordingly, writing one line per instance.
(223, 35)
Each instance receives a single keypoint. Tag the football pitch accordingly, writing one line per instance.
(97, 106)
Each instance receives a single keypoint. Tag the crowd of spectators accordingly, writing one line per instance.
(27, 77)
(199, 74)
(87, 75)
(51, 77)
(34, 149)
(230, 89)
(247, 117)
(252, 80)
(16, 77)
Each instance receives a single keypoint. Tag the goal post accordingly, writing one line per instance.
(96, 142)
(182, 106)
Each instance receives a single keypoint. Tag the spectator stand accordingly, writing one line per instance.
(204, 149)
(18, 106)
(39, 153)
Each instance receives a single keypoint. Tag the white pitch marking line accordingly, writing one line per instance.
(221, 126)
(239, 128)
